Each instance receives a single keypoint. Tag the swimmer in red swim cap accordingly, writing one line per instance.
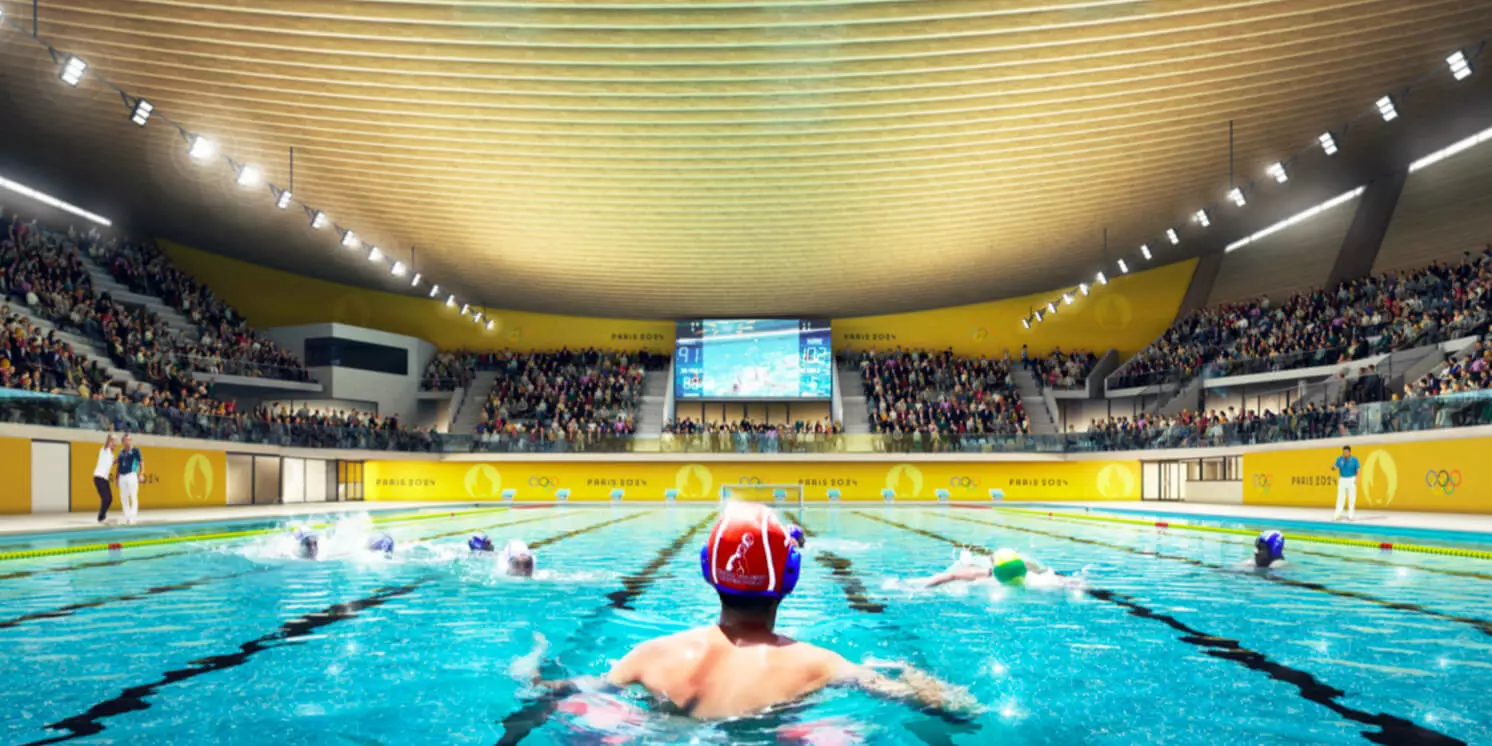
(740, 666)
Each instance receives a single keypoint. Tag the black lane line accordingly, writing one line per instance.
(86, 565)
(70, 609)
(135, 698)
(1482, 625)
(557, 538)
(1295, 549)
(545, 517)
(842, 572)
(536, 713)
(638, 583)
(1393, 730)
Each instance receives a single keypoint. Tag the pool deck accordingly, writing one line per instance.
(51, 522)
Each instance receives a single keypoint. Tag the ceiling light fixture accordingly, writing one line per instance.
(1386, 108)
(376, 255)
(141, 113)
(1067, 299)
(1460, 66)
(1102, 280)
(1145, 251)
(416, 281)
(50, 201)
(1123, 267)
(1202, 218)
(73, 70)
(202, 148)
(1237, 197)
(282, 197)
(398, 270)
(1026, 322)
(491, 323)
(350, 239)
(319, 220)
(1172, 237)
(1277, 170)
(1083, 288)
(1328, 143)
(434, 290)
(450, 301)
(249, 176)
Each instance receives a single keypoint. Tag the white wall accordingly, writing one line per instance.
(391, 394)
(1229, 493)
(316, 480)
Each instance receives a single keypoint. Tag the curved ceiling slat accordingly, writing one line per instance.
(733, 156)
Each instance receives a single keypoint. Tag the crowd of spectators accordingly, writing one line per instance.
(1469, 371)
(1060, 370)
(939, 394)
(1381, 313)
(748, 436)
(42, 363)
(449, 371)
(223, 342)
(549, 396)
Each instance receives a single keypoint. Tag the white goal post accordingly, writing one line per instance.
(781, 495)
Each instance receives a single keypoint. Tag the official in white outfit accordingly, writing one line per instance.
(1346, 468)
(101, 477)
(129, 466)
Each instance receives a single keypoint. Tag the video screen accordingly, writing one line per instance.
(753, 359)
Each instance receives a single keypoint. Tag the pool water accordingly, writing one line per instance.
(236, 643)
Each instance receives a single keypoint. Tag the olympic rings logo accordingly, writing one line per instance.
(751, 480)
(967, 483)
(1263, 481)
(540, 482)
(1446, 481)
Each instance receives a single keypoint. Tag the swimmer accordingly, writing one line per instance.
(740, 665)
(795, 533)
(382, 543)
(307, 544)
(480, 543)
(517, 559)
(1269, 550)
(1007, 566)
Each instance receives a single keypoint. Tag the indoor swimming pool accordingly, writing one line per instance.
(1166, 639)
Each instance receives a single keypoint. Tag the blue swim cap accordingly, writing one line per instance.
(1274, 541)
(382, 543)
(797, 535)
(309, 546)
(479, 543)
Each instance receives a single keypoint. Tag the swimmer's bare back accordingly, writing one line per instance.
(712, 673)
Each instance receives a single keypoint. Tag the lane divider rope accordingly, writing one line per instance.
(119, 545)
(1340, 541)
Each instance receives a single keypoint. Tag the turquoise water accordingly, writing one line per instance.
(234, 642)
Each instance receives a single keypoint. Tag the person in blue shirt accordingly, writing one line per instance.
(130, 465)
(1346, 468)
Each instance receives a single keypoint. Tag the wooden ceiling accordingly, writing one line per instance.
(733, 157)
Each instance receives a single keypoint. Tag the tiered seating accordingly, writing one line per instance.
(227, 343)
(1063, 370)
(1359, 318)
(41, 363)
(747, 436)
(937, 393)
(552, 396)
(449, 371)
(1470, 371)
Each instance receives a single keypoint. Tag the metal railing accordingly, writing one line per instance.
(1408, 415)
(215, 365)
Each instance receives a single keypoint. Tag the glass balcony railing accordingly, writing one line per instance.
(1407, 415)
(238, 367)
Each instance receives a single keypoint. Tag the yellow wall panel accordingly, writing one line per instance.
(172, 478)
(1081, 480)
(15, 464)
(1438, 476)
(1127, 314)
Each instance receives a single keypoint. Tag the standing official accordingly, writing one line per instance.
(101, 477)
(129, 467)
(1346, 468)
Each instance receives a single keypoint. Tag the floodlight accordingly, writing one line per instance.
(1386, 108)
(464, 308)
(1083, 288)
(1328, 143)
(202, 148)
(73, 69)
(434, 290)
(1145, 251)
(141, 113)
(249, 176)
(398, 270)
(1172, 237)
(282, 198)
(1026, 322)
(491, 323)
(320, 220)
(1067, 299)
(1102, 280)
(350, 239)
(1277, 170)
(376, 255)
(1237, 197)
(450, 301)
(1123, 267)
(1201, 217)
(1460, 66)
(416, 281)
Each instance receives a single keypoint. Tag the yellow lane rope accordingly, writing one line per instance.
(1369, 543)
(81, 548)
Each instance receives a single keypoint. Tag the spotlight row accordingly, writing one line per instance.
(1460, 68)
(73, 69)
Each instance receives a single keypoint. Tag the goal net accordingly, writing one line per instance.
(781, 495)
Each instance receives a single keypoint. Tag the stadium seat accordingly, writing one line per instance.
(670, 495)
(616, 495)
(562, 495)
(997, 495)
(779, 495)
(942, 495)
(888, 494)
(833, 495)
(509, 494)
